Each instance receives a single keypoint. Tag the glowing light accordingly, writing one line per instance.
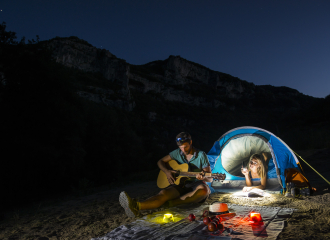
(255, 217)
(168, 217)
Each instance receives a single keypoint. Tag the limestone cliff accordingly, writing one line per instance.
(76, 53)
(174, 79)
(178, 79)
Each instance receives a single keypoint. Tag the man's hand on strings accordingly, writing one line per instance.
(170, 177)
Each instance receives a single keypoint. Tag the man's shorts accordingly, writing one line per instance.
(189, 187)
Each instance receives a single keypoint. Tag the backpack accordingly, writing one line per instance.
(300, 181)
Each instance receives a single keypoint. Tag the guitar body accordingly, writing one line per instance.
(162, 181)
(181, 174)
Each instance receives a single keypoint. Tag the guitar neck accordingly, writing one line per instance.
(193, 174)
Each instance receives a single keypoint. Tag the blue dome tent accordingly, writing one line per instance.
(234, 148)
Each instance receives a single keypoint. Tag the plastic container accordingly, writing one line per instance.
(288, 190)
(288, 194)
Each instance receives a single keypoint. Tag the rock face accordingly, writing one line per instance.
(177, 79)
(174, 79)
(182, 72)
(76, 53)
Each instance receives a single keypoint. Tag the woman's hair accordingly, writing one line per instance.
(262, 168)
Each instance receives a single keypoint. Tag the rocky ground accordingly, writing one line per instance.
(96, 214)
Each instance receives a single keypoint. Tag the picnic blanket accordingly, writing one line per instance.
(239, 227)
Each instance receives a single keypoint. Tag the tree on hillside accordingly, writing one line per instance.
(327, 97)
(5, 36)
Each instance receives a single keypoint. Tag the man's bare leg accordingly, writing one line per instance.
(159, 199)
(199, 195)
(132, 207)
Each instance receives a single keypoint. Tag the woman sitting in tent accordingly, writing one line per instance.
(257, 168)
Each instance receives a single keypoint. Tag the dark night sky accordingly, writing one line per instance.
(281, 43)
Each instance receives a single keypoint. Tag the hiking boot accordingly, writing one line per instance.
(129, 204)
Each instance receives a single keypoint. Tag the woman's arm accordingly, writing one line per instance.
(247, 177)
(263, 183)
(261, 186)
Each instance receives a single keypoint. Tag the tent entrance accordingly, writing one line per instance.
(236, 153)
(238, 150)
(234, 148)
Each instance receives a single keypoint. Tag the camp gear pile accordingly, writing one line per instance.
(238, 227)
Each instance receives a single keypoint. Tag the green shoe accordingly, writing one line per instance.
(129, 204)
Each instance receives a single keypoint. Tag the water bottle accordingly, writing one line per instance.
(307, 191)
(293, 190)
(288, 190)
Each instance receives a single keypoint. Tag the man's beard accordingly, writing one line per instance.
(188, 150)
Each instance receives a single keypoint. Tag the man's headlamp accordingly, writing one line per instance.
(184, 139)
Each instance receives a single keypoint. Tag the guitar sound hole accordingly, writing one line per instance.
(183, 180)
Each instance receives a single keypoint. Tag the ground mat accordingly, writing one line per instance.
(178, 227)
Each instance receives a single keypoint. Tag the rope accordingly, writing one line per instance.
(312, 168)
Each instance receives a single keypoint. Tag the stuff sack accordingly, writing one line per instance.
(293, 175)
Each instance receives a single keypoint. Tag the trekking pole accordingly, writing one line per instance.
(312, 168)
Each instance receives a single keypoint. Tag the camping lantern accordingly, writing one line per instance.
(168, 217)
(255, 217)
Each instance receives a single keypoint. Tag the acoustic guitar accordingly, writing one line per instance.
(181, 173)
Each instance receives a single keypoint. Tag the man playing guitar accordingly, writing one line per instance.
(190, 191)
